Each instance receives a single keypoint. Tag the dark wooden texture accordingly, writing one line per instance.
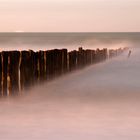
(4, 72)
(20, 70)
(1, 74)
(13, 71)
(72, 60)
(26, 69)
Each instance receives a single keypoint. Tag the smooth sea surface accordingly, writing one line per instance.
(71, 41)
(100, 102)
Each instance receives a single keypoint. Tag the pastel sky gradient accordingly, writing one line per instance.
(70, 15)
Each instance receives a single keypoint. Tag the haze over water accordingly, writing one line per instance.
(100, 102)
(71, 41)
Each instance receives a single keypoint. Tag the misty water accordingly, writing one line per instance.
(71, 41)
(99, 102)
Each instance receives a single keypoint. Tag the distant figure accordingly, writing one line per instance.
(129, 53)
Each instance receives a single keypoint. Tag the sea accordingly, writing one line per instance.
(71, 41)
(99, 102)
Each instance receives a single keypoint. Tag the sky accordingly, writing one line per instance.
(69, 15)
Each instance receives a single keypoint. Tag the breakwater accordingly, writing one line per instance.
(20, 70)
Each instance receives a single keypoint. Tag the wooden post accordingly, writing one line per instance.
(97, 55)
(93, 58)
(60, 62)
(34, 66)
(4, 72)
(26, 67)
(13, 71)
(105, 55)
(49, 64)
(1, 74)
(57, 62)
(41, 62)
(58, 59)
(80, 58)
(19, 70)
(88, 57)
(72, 60)
(64, 60)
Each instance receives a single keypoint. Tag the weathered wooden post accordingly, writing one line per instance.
(4, 72)
(57, 62)
(49, 64)
(72, 60)
(101, 55)
(60, 62)
(88, 57)
(112, 53)
(41, 62)
(105, 56)
(47, 58)
(84, 58)
(80, 57)
(26, 67)
(22, 69)
(97, 55)
(93, 56)
(1, 74)
(13, 71)
(34, 66)
(64, 60)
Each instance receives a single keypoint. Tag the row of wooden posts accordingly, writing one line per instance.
(22, 69)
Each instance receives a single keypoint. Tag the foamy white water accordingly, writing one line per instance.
(100, 102)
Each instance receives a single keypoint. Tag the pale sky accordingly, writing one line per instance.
(70, 15)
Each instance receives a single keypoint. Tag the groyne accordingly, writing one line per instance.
(20, 70)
